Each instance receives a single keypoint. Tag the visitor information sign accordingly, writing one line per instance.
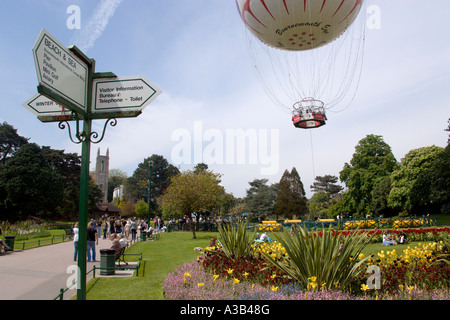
(122, 94)
(60, 71)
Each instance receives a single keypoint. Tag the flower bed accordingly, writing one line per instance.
(416, 273)
(415, 268)
(189, 282)
(412, 234)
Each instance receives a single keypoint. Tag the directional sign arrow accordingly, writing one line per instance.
(47, 110)
(62, 76)
(122, 94)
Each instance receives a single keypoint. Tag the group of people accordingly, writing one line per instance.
(116, 229)
(93, 233)
(389, 240)
(122, 226)
(262, 238)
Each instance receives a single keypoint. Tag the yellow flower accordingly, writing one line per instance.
(312, 279)
(361, 256)
(323, 286)
(364, 287)
(230, 271)
(273, 276)
(216, 276)
(187, 274)
(274, 289)
(312, 285)
(200, 284)
(236, 280)
(410, 288)
(246, 274)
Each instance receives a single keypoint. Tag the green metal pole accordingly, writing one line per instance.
(83, 213)
(149, 190)
(84, 188)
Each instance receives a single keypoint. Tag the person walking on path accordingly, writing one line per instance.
(92, 240)
(133, 228)
(105, 228)
(75, 241)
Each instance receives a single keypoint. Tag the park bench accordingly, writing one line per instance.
(121, 256)
(130, 266)
(153, 235)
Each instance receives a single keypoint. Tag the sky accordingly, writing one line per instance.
(196, 52)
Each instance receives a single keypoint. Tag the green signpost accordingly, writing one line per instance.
(67, 77)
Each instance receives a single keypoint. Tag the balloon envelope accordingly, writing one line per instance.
(298, 24)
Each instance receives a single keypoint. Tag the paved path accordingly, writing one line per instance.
(39, 273)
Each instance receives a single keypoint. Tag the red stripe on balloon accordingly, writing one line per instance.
(358, 2)
(267, 9)
(339, 8)
(246, 8)
(323, 4)
(285, 6)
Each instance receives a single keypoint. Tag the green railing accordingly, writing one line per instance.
(41, 242)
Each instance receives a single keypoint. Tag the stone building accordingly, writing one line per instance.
(102, 173)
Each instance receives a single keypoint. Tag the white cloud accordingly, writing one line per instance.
(97, 24)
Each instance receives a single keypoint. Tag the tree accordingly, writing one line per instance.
(415, 163)
(29, 185)
(190, 193)
(432, 187)
(319, 204)
(137, 184)
(326, 184)
(68, 165)
(290, 196)
(326, 193)
(141, 209)
(380, 194)
(372, 160)
(200, 167)
(10, 141)
(260, 199)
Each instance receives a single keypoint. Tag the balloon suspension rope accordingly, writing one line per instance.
(312, 154)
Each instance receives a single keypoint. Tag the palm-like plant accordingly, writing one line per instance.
(330, 258)
(236, 241)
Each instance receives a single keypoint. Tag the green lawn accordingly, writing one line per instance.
(159, 258)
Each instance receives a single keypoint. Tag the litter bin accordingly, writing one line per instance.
(107, 262)
(9, 240)
(143, 236)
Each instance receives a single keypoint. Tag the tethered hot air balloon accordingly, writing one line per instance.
(307, 58)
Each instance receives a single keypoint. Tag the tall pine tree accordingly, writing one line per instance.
(291, 199)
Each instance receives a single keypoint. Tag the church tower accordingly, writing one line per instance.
(102, 173)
